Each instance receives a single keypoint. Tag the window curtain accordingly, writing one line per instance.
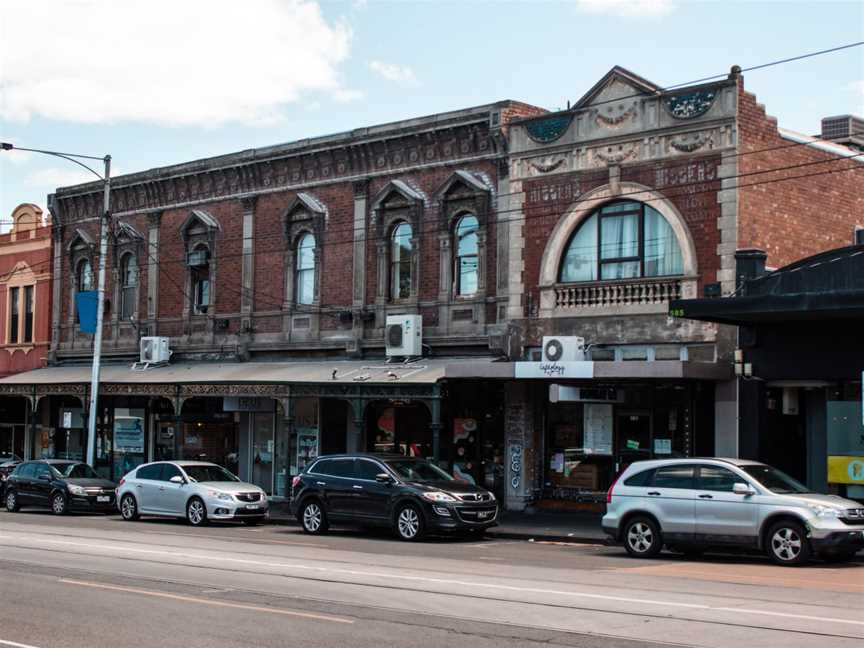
(662, 252)
(619, 237)
(580, 259)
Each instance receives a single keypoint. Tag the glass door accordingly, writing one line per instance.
(633, 438)
(263, 441)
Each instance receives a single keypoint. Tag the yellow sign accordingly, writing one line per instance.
(846, 470)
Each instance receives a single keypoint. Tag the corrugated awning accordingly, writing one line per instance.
(425, 371)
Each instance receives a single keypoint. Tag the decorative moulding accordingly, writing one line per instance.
(546, 165)
(613, 120)
(548, 129)
(693, 104)
(691, 143)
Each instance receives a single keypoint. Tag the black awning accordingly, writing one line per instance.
(756, 309)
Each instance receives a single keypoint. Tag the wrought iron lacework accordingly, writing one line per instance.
(691, 105)
(548, 129)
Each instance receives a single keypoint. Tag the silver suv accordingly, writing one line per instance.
(197, 491)
(690, 504)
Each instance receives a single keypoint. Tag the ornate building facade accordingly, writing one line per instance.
(273, 271)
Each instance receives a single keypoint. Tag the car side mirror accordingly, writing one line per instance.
(177, 479)
(383, 478)
(743, 489)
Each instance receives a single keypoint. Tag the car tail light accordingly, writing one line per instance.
(609, 492)
(296, 481)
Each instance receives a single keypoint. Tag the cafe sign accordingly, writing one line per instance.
(547, 369)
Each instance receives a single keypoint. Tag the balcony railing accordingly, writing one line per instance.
(610, 294)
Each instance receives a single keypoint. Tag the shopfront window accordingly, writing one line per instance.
(263, 442)
(399, 428)
(129, 434)
(208, 433)
(306, 434)
(845, 430)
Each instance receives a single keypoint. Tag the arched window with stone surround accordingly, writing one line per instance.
(304, 278)
(128, 286)
(467, 271)
(401, 247)
(621, 240)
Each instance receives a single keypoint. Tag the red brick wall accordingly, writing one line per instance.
(792, 219)
(690, 184)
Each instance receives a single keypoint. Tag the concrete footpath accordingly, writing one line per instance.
(540, 525)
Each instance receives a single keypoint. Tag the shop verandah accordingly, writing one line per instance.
(263, 421)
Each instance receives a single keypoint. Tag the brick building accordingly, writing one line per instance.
(25, 311)
(273, 271)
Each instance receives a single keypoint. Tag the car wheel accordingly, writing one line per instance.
(313, 518)
(788, 544)
(196, 512)
(58, 504)
(409, 523)
(129, 508)
(12, 502)
(642, 538)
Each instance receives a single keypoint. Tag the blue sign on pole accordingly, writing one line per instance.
(85, 305)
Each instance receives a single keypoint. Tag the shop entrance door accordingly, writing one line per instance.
(11, 441)
(633, 438)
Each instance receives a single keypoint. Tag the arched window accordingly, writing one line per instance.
(467, 264)
(128, 286)
(622, 240)
(199, 267)
(305, 276)
(400, 261)
(84, 276)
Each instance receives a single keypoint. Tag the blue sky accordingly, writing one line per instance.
(158, 82)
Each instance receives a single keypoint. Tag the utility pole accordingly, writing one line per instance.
(100, 296)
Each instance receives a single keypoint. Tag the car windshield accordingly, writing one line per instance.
(418, 471)
(77, 471)
(209, 474)
(775, 480)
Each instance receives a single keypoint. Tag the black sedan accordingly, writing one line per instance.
(411, 496)
(59, 485)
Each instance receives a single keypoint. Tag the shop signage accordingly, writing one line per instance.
(515, 465)
(129, 434)
(846, 470)
(569, 369)
(67, 419)
(247, 404)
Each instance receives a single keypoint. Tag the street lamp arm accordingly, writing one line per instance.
(66, 156)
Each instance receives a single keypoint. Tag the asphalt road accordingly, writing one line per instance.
(92, 581)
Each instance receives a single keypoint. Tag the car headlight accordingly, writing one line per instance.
(824, 511)
(76, 490)
(438, 496)
(225, 497)
(492, 496)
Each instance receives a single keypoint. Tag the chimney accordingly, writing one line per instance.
(749, 264)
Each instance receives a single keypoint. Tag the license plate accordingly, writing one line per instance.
(252, 507)
(483, 514)
(103, 498)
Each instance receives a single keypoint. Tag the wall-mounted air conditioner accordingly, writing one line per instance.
(563, 348)
(403, 335)
(155, 350)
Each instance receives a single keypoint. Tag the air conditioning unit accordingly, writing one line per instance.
(155, 350)
(568, 348)
(403, 335)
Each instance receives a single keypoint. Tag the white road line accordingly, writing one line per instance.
(446, 581)
(15, 644)
(203, 601)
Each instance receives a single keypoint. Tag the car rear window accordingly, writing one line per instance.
(640, 479)
(674, 477)
(334, 467)
(152, 471)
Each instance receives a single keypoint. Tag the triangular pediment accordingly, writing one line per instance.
(619, 83)
(81, 238)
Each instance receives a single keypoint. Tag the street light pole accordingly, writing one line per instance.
(100, 295)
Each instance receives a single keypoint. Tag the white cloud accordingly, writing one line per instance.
(628, 8)
(201, 62)
(392, 71)
(345, 95)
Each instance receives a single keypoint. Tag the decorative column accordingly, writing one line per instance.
(247, 303)
(435, 424)
(152, 260)
(358, 408)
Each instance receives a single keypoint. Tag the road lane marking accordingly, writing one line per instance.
(15, 644)
(204, 601)
(448, 581)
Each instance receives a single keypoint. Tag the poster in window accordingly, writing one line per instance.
(129, 434)
(307, 447)
(598, 428)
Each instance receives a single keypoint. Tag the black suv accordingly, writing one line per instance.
(59, 485)
(411, 496)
